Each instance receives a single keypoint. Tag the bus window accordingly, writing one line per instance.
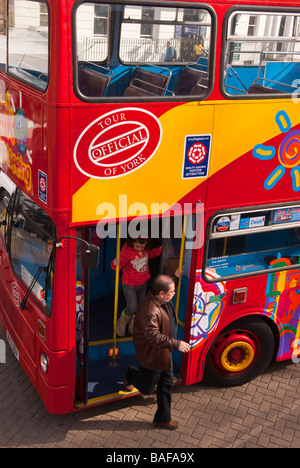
(92, 43)
(28, 42)
(161, 51)
(7, 187)
(32, 237)
(252, 243)
(262, 53)
(3, 35)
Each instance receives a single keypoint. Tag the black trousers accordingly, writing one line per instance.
(145, 380)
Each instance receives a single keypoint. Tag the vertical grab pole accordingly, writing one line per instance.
(180, 268)
(117, 280)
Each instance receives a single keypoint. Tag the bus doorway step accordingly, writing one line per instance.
(105, 379)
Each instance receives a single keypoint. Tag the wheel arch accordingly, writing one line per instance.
(272, 325)
(239, 322)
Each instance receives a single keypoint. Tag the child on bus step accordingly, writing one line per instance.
(134, 262)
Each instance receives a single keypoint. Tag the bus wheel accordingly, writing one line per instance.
(240, 353)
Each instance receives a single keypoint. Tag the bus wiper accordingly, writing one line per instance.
(47, 269)
(33, 283)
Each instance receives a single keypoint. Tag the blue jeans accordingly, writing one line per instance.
(145, 380)
(134, 296)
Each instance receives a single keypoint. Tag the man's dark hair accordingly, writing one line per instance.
(161, 283)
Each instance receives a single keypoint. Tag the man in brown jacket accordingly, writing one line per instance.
(154, 336)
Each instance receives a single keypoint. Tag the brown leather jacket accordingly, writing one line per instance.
(152, 335)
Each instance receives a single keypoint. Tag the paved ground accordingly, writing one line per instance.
(264, 413)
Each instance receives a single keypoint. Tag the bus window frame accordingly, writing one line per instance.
(7, 238)
(127, 99)
(15, 76)
(225, 28)
(274, 227)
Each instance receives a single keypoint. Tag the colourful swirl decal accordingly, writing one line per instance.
(295, 173)
(274, 177)
(288, 154)
(208, 304)
(264, 153)
(283, 121)
(289, 151)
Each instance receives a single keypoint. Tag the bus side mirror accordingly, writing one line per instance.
(91, 253)
(91, 257)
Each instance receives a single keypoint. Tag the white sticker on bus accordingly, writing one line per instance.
(38, 290)
(259, 221)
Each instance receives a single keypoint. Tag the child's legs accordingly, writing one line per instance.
(141, 293)
(134, 296)
(131, 296)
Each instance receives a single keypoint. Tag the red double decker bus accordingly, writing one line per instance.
(179, 118)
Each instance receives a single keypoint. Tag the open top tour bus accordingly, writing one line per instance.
(178, 118)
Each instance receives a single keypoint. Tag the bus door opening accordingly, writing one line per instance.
(103, 356)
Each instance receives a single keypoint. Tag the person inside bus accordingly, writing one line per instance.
(133, 262)
(154, 336)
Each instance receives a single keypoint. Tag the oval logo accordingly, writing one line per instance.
(117, 143)
(15, 292)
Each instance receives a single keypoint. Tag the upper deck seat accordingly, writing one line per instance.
(139, 88)
(200, 87)
(149, 82)
(259, 89)
(92, 83)
(191, 82)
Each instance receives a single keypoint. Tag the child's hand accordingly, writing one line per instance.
(178, 273)
(116, 262)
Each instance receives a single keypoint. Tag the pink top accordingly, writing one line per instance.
(135, 264)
